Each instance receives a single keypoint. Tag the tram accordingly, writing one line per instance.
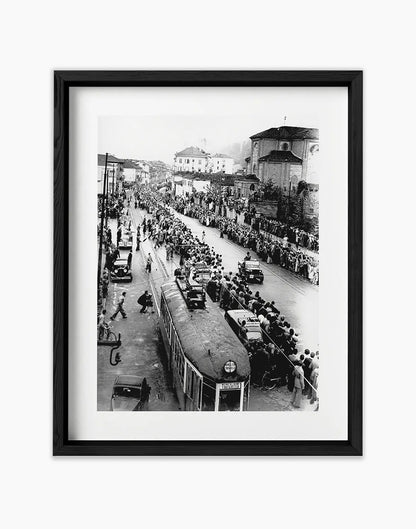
(209, 365)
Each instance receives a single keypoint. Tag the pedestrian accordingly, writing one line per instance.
(138, 241)
(314, 382)
(120, 307)
(149, 262)
(145, 301)
(203, 237)
(103, 327)
(104, 292)
(129, 259)
(119, 235)
(299, 385)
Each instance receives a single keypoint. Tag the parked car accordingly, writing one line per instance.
(130, 393)
(193, 293)
(126, 241)
(201, 273)
(251, 271)
(121, 272)
(252, 333)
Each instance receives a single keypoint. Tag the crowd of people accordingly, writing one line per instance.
(279, 353)
(270, 249)
(295, 236)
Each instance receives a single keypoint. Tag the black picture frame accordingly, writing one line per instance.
(63, 81)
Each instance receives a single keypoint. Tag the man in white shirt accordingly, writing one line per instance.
(120, 307)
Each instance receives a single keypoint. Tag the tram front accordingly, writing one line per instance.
(232, 395)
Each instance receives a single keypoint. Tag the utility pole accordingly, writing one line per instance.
(103, 205)
(106, 202)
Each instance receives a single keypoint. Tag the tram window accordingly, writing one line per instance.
(229, 400)
(189, 381)
(169, 332)
(181, 367)
(197, 390)
(208, 398)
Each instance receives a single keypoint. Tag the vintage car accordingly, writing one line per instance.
(126, 241)
(253, 331)
(121, 272)
(193, 293)
(130, 393)
(201, 273)
(251, 271)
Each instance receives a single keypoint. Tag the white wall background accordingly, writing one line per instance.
(375, 490)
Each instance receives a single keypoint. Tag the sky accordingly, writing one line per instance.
(170, 122)
(158, 137)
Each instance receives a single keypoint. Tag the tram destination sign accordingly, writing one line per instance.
(230, 385)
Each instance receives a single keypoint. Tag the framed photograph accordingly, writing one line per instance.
(208, 259)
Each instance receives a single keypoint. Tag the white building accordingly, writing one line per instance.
(221, 163)
(129, 171)
(196, 160)
(192, 160)
(142, 172)
(187, 184)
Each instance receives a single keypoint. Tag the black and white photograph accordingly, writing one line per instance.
(208, 262)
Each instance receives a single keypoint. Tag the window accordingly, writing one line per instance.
(193, 385)
(187, 160)
(285, 146)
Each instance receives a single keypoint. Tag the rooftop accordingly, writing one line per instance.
(220, 155)
(288, 133)
(281, 157)
(110, 159)
(247, 178)
(130, 164)
(193, 151)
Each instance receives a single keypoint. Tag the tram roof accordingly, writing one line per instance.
(206, 337)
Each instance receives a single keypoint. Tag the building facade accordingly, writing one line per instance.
(129, 171)
(186, 184)
(196, 160)
(245, 186)
(114, 172)
(282, 168)
(285, 155)
(191, 160)
(221, 163)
